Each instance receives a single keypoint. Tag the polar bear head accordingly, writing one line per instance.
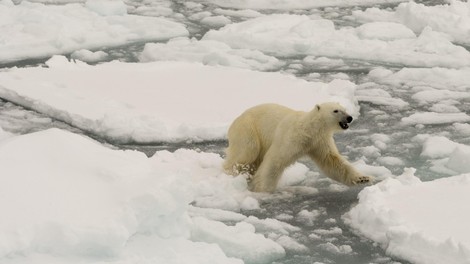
(334, 116)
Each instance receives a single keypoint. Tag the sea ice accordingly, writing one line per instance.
(162, 106)
(238, 241)
(208, 52)
(299, 35)
(431, 118)
(438, 78)
(33, 30)
(456, 156)
(292, 4)
(422, 222)
(451, 19)
(89, 56)
(89, 202)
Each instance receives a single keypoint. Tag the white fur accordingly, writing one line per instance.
(267, 138)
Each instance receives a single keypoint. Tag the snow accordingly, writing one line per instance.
(342, 249)
(87, 201)
(89, 56)
(162, 106)
(237, 241)
(428, 118)
(294, 35)
(423, 222)
(68, 199)
(292, 4)
(216, 21)
(451, 19)
(90, 202)
(208, 52)
(34, 30)
(454, 156)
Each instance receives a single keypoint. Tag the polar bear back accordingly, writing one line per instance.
(264, 119)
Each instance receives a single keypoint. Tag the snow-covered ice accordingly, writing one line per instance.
(87, 201)
(424, 222)
(451, 19)
(34, 30)
(68, 199)
(384, 42)
(292, 4)
(208, 52)
(90, 202)
(162, 106)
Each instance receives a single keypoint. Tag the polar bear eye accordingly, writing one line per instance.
(336, 111)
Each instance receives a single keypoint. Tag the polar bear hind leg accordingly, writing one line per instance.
(242, 154)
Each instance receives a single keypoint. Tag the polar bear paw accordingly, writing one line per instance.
(362, 180)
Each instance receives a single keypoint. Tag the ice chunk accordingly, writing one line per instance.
(293, 4)
(296, 35)
(238, 241)
(406, 216)
(308, 217)
(328, 232)
(330, 247)
(291, 244)
(270, 225)
(216, 214)
(439, 95)
(248, 13)
(384, 31)
(208, 52)
(437, 147)
(459, 159)
(68, 196)
(432, 118)
(439, 78)
(216, 21)
(452, 18)
(32, 30)
(107, 7)
(122, 111)
(89, 56)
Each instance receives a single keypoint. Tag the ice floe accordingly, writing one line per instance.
(383, 42)
(34, 30)
(208, 52)
(423, 222)
(292, 4)
(93, 203)
(151, 102)
(451, 19)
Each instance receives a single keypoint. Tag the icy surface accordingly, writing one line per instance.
(420, 221)
(406, 66)
(32, 30)
(452, 19)
(209, 53)
(292, 4)
(390, 43)
(90, 202)
(162, 106)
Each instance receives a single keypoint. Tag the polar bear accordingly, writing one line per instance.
(267, 138)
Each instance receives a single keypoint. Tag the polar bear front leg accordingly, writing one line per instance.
(339, 169)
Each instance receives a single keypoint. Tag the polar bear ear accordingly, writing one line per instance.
(317, 107)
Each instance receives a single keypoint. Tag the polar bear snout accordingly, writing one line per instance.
(344, 124)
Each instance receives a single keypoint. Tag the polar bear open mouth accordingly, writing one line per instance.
(343, 125)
